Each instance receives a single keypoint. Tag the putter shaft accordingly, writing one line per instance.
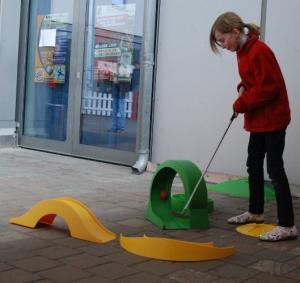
(206, 169)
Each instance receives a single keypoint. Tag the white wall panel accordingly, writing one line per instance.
(9, 41)
(195, 88)
(282, 34)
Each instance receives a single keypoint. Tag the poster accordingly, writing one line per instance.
(119, 20)
(51, 51)
(105, 70)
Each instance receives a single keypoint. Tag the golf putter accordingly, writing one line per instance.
(182, 212)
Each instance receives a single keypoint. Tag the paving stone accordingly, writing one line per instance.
(134, 222)
(125, 230)
(202, 265)
(4, 266)
(64, 274)
(295, 260)
(56, 252)
(12, 254)
(283, 246)
(191, 276)
(11, 235)
(84, 260)
(135, 204)
(224, 233)
(220, 221)
(233, 272)
(50, 233)
(35, 264)
(112, 270)
(30, 244)
(5, 246)
(94, 279)
(100, 250)
(72, 242)
(294, 274)
(222, 280)
(17, 275)
(273, 267)
(124, 258)
(245, 245)
(118, 199)
(44, 281)
(295, 250)
(119, 214)
(274, 255)
(144, 278)
(19, 228)
(241, 259)
(188, 235)
(269, 278)
(157, 267)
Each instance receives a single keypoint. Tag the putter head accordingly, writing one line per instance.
(180, 214)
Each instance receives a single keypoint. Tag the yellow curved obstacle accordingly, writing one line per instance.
(254, 230)
(173, 250)
(81, 221)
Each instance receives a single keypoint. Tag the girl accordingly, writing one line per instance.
(263, 100)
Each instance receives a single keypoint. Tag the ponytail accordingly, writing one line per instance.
(253, 28)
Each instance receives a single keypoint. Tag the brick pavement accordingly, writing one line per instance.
(118, 199)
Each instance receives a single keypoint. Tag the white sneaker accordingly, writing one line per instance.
(280, 233)
(246, 217)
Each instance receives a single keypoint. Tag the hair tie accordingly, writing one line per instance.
(246, 29)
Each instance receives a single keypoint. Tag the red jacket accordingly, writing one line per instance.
(265, 101)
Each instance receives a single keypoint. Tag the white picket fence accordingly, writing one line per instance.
(100, 104)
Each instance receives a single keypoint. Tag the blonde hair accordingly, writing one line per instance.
(225, 23)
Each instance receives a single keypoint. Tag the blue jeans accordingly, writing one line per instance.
(272, 145)
(118, 107)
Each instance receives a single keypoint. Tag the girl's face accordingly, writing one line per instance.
(230, 40)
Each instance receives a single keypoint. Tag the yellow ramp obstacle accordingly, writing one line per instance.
(254, 230)
(173, 250)
(81, 221)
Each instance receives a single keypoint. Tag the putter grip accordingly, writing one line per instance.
(234, 115)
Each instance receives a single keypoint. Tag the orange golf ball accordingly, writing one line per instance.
(163, 195)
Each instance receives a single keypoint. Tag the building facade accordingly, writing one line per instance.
(131, 81)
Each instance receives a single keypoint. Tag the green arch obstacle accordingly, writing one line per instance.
(161, 207)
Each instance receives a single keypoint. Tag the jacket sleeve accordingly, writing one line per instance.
(267, 77)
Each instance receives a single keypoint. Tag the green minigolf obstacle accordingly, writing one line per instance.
(161, 205)
(178, 202)
(240, 188)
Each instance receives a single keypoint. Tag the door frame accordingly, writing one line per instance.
(64, 147)
(72, 146)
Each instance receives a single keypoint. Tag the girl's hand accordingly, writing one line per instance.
(241, 90)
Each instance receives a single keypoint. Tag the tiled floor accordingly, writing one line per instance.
(118, 198)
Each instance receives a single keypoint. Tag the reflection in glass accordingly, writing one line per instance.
(47, 76)
(112, 74)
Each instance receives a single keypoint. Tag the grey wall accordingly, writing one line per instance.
(195, 88)
(9, 44)
(282, 33)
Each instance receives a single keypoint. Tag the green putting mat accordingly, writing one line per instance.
(239, 188)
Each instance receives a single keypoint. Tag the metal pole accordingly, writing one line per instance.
(147, 67)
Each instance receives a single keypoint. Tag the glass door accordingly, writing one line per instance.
(82, 77)
(49, 75)
(111, 78)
